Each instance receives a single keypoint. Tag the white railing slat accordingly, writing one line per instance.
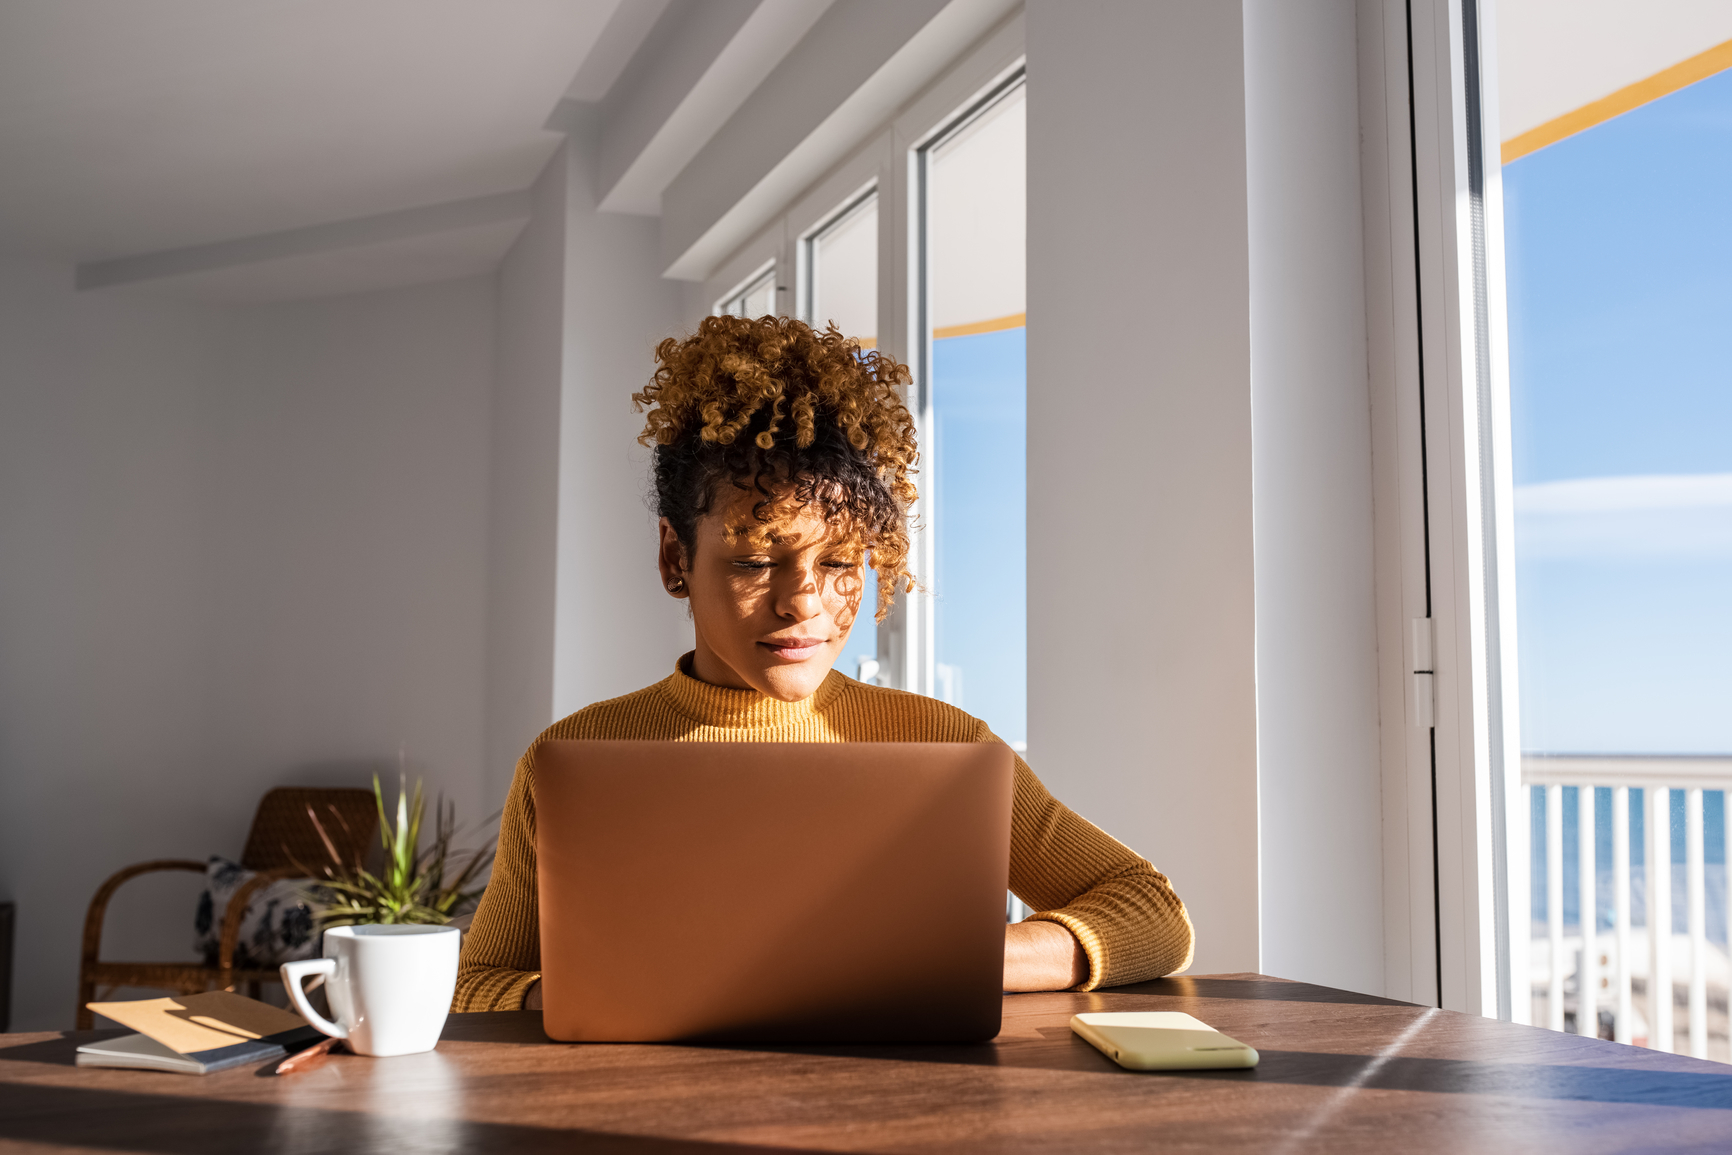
(1588, 972)
(1696, 879)
(1658, 885)
(1555, 904)
(1621, 905)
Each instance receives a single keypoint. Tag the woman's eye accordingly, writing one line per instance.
(749, 564)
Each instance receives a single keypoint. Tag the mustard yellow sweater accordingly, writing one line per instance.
(1121, 910)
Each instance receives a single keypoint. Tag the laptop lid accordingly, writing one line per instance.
(772, 892)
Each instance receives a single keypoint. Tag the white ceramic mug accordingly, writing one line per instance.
(389, 987)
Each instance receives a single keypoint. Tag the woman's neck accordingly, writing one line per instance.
(704, 665)
(730, 708)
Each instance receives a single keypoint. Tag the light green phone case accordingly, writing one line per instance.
(1161, 1041)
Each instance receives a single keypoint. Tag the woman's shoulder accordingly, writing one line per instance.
(639, 714)
(899, 715)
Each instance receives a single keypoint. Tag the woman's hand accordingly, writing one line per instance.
(1042, 956)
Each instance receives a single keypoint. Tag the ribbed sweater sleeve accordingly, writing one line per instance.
(502, 950)
(1123, 911)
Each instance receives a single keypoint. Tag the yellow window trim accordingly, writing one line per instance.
(1014, 321)
(1662, 83)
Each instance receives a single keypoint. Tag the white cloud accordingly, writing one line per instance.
(1604, 494)
(1664, 515)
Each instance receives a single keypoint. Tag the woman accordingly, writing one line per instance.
(782, 463)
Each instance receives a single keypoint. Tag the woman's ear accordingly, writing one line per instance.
(671, 560)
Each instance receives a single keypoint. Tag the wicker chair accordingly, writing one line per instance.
(283, 843)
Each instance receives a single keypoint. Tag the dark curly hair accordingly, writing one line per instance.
(804, 418)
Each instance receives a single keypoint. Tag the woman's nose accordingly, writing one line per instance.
(802, 601)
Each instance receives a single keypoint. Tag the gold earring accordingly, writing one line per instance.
(676, 585)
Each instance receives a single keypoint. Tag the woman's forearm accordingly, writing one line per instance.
(1042, 956)
(1062, 864)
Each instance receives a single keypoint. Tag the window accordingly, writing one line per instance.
(755, 298)
(840, 262)
(973, 369)
(842, 272)
(913, 244)
(1620, 309)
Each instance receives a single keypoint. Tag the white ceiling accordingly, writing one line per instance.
(231, 150)
(133, 126)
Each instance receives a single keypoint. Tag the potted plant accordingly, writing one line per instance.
(429, 886)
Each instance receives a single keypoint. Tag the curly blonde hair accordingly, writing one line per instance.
(801, 416)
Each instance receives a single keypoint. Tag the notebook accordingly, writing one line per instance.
(197, 1034)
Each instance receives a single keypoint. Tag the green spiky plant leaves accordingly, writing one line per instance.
(415, 885)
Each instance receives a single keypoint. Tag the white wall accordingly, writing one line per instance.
(616, 629)
(1317, 718)
(243, 547)
(523, 494)
(1142, 688)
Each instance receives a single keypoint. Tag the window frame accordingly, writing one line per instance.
(806, 271)
(886, 163)
(920, 640)
(1455, 830)
(764, 273)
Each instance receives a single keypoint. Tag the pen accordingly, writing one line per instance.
(311, 1057)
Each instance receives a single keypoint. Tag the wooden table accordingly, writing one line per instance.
(1340, 1073)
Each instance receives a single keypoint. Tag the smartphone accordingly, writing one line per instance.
(1160, 1041)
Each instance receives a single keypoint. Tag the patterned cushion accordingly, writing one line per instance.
(277, 927)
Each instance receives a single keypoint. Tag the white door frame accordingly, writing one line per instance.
(1440, 384)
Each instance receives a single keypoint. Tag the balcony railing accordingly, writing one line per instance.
(1598, 970)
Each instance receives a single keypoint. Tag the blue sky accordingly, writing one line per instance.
(980, 405)
(975, 468)
(1619, 245)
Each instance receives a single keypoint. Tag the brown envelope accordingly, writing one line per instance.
(203, 1022)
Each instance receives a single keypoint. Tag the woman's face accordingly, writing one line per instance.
(772, 604)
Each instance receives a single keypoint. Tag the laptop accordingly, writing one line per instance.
(772, 892)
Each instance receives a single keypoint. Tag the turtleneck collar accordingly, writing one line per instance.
(744, 709)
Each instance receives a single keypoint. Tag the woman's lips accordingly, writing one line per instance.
(794, 649)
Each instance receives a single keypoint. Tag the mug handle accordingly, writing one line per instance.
(319, 968)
